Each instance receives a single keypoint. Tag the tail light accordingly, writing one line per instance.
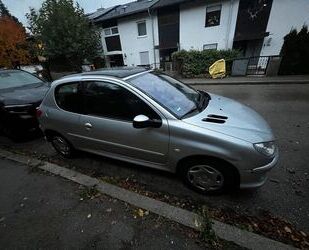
(39, 112)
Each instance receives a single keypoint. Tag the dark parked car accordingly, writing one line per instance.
(20, 94)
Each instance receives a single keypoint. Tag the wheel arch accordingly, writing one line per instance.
(190, 158)
(50, 132)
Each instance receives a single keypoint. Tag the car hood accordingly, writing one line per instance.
(18, 96)
(232, 118)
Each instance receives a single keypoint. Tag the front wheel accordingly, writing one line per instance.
(209, 176)
(62, 146)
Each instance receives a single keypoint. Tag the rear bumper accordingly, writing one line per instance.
(256, 177)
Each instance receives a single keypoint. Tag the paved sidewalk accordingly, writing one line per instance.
(164, 210)
(248, 80)
(40, 211)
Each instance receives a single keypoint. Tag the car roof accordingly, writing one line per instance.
(119, 72)
(10, 70)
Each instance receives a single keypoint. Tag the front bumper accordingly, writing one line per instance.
(257, 177)
(19, 123)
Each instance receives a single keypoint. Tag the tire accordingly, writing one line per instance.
(62, 146)
(209, 176)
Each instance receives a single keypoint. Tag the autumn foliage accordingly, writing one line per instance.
(13, 44)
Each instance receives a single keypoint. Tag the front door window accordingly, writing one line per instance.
(113, 101)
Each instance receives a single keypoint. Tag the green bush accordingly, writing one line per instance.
(195, 63)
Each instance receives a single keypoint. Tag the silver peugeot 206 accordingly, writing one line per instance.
(145, 117)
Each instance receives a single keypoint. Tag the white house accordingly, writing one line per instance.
(147, 32)
(196, 31)
(127, 33)
(285, 15)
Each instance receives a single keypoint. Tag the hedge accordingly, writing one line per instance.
(195, 63)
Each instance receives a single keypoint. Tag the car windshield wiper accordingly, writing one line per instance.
(201, 100)
(201, 104)
(204, 100)
(190, 112)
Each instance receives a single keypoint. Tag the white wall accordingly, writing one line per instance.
(194, 34)
(284, 16)
(131, 44)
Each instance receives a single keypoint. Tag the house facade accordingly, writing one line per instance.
(147, 32)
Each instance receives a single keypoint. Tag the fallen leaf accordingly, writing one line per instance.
(295, 238)
(140, 212)
(197, 223)
(287, 229)
(291, 170)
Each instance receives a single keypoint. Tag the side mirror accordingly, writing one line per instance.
(142, 121)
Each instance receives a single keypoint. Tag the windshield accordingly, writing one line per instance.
(15, 79)
(175, 96)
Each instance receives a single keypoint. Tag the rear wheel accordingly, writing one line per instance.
(209, 176)
(62, 146)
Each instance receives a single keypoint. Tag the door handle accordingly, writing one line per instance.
(88, 125)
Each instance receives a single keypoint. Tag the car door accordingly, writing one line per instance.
(108, 124)
(65, 116)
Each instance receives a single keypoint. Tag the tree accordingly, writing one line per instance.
(295, 53)
(5, 12)
(64, 32)
(13, 44)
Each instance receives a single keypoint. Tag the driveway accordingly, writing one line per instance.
(285, 107)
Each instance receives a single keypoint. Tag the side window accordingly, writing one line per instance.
(110, 100)
(141, 28)
(213, 16)
(211, 46)
(68, 97)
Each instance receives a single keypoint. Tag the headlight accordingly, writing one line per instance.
(266, 148)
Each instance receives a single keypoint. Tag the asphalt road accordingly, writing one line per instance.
(285, 195)
(40, 211)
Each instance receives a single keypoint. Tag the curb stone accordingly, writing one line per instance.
(184, 217)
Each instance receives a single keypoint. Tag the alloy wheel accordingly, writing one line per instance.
(205, 178)
(61, 145)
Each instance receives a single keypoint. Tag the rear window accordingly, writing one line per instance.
(15, 79)
(68, 97)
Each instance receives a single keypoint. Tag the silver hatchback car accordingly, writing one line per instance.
(145, 117)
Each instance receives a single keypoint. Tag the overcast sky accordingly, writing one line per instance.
(19, 8)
